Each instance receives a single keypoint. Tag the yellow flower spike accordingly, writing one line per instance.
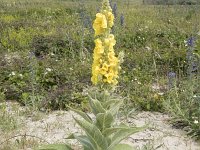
(100, 24)
(105, 64)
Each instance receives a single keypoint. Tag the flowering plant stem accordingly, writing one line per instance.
(101, 130)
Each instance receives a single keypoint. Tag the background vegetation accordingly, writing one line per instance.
(46, 54)
(172, 2)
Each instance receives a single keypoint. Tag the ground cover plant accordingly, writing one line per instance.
(46, 56)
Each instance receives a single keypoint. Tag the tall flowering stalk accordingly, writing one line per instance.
(105, 64)
(101, 131)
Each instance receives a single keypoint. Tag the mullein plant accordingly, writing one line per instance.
(101, 130)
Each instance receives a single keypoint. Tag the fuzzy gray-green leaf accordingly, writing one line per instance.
(115, 107)
(94, 134)
(104, 120)
(122, 134)
(109, 131)
(108, 103)
(96, 106)
(82, 114)
(85, 142)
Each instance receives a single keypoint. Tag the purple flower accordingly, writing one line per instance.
(114, 8)
(191, 41)
(192, 67)
(171, 75)
(122, 19)
(171, 79)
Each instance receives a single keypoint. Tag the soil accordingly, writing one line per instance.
(54, 127)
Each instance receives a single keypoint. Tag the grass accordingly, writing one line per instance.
(56, 34)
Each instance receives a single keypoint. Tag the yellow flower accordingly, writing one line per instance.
(94, 80)
(104, 69)
(110, 19)
(100, 24)
(110, 41)
(99, 48)
(109, 76)
(112, 59)
(95, 72)
(105, 64)
(115, 82)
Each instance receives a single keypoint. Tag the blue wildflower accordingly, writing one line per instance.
(171, 79)
(114, 8)
(122, 19)
(191, 41)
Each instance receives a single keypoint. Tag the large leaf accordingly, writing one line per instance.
(94, 134)
(122, 134)
(83, 140)
(96, 106)
(109, 131)
(55, 147)
(87, 145)
(123, 147)
(108, 103)
(82, 114)
(104, 120)
(115, 107)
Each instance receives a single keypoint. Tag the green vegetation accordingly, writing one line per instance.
(172, 2)
(46, 55)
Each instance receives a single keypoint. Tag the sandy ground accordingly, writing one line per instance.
(56, 126)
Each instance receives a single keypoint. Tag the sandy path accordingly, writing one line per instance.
(56, 126)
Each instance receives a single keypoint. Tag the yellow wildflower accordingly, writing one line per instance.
(98, 47)
(110, 19)
(95, 72)
(100, 24)
(104, 69)
(110, 41)
(105, 64)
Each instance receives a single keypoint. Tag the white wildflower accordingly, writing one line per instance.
(160, 93)
(48, 69)
(196, 121)
(148, 48)
(185, 42)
